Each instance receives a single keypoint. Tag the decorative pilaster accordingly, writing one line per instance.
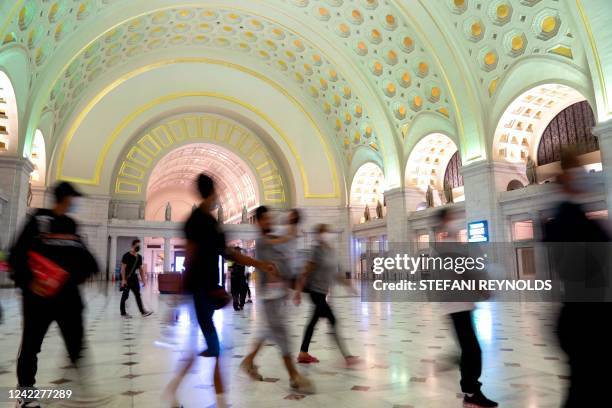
(482, 182)
(397, 216)
(603, 131)
(14, 181)
(112, 259)
(167, 261)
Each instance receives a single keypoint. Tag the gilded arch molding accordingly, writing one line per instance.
(74, 126)
(142, 154)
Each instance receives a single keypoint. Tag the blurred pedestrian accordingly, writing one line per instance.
(462, 318)
(48, 261)
(238, 283)
(205, 244)
(320, 273)
(580, 249)
(271, 294)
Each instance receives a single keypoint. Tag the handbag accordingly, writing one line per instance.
(219, 298)
(48, 278)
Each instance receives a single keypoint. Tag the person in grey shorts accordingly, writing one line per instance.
(271, 295)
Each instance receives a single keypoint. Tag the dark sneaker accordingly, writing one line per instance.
(145, 314)
(478, 400)
(27, 404)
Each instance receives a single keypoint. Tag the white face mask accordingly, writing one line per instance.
(75, 206)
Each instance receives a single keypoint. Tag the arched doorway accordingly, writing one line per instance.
(367, 190)
(434, 161)
(539, 123)
(8, 117)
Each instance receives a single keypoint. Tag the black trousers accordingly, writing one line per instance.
(587, 346)
(38, 314)
(239, 291)
(133, 286)
(321, 310)
(471, 355)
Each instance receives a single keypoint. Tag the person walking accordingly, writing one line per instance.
(205, 244)
(131, 268)
(579, 249)
(461, 315)
(320, 273)
(271, 295)
(48, 262)
(238, 283)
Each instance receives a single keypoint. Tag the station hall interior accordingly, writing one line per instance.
(369, 116)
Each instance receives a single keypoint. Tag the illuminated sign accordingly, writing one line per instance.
(478, 231)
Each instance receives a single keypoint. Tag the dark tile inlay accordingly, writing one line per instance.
(60, 381)
(295, 397)
(130, 376)
(131, 393)
(359, 388)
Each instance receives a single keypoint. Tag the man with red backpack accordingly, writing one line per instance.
(48, 262)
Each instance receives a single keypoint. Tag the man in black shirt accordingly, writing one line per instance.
(238, 283)
(50, 233)
(131, 267)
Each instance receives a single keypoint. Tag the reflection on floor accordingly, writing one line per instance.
(404, 346)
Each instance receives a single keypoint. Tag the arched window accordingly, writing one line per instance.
(572, 126)
(452, 175)
(39, 159)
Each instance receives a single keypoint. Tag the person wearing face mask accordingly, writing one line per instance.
(131, 267)
(48, 261)
(320, 273)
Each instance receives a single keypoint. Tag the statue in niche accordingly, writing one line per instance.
(112, 210)
(168, 212)
(530, 170)
(448, 193)
(429, 197)
(379, 210)
(245, 215)
(141, 211)
(220, 214)
(29, 199)
(366, 213)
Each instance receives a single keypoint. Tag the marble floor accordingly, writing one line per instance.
(404, 347)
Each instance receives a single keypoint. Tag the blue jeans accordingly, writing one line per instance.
(204, 312)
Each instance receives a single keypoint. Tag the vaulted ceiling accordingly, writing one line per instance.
(368, 67)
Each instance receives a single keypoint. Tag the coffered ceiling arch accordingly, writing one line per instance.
(399, 58)
(233, 31)
(211, 135)
(301, 134)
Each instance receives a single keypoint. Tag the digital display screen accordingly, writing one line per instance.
(478, 231)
